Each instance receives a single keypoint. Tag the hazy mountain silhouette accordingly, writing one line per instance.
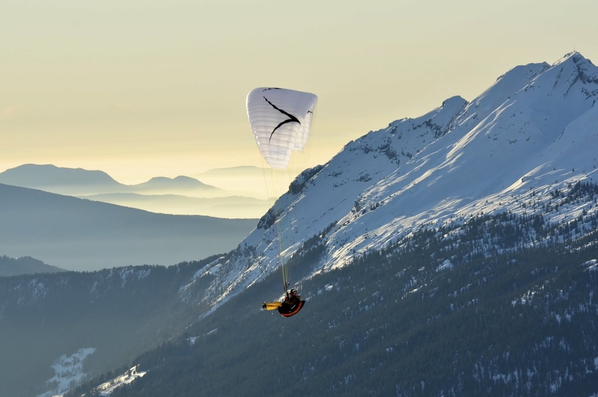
(77, 181)
(51, 178)
(79, 234)
(24, 265)
(179, 195)
(178, 183)
(220, 207)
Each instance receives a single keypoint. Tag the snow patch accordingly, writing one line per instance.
(591, 265)
(446, 265)
(106, 389)
(214, 270)
(68, 372)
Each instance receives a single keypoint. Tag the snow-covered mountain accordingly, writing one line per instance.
(534, 131)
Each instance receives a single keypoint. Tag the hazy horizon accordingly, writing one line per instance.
(249, 180)
(241, 192)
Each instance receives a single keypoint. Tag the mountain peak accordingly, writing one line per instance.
(574, 56)
(177, 182)
(573, 74)
(586, 70)
(454, 101)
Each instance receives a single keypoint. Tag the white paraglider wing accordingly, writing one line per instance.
(281, 120)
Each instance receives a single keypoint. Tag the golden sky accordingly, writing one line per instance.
(143, 88)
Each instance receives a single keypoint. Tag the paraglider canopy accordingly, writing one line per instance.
(281, 120)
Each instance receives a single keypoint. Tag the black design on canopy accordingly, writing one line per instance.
(291, 119)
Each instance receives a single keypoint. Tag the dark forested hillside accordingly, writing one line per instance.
(433, 314)
(118, 312)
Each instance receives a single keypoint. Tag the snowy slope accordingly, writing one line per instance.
(535, 129)
(67, 371)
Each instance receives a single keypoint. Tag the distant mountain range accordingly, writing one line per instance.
(78, 181)
(181, 195)
(220, 207)
(162, 183)
(79, 234)
(48, 177)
